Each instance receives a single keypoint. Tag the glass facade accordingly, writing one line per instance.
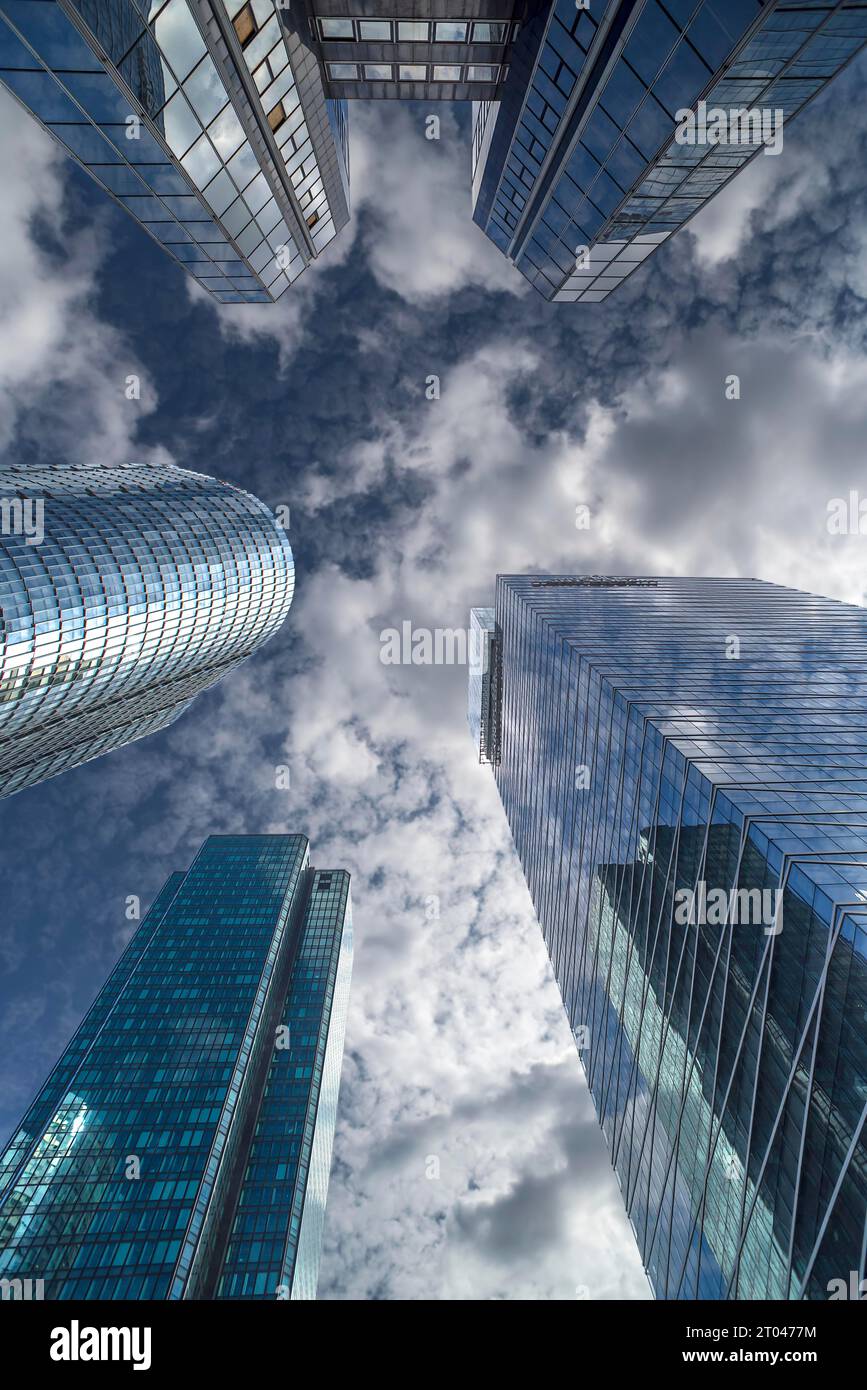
(221, 125)
(681, 762)
(191, 117)
(180, 1148)
(137, 588)
(444, 52)
(482, 670)
(584, 174)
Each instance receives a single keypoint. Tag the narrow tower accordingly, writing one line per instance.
(181, 1147)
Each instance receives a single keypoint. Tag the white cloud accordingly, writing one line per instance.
(411, 219)
(289, 319)
(794, 192)
(723, 227)
(419, 236)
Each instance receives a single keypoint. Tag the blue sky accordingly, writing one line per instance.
(404, 508)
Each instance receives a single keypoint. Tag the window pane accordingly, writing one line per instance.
(181, 126)
(205, 90)
(178, 36)
(489, 33)
(375, 29)
(417, 30)
(201, 163)
(451, 33)
(227, 133)
(277, 116)
(336, 28)
(245, 24)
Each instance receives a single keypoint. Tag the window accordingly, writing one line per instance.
(489, 32)
(245, 25)
(375, 29)
(343, 72)
(377, 72)
(311, 222)
(481, 72)
(336, 28)
(416, 30)
(451, 33)
(412, 72)
(447, 72)
(277, 116)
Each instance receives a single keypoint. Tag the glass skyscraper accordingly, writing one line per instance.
(124, 591)
(221, 125)
(682, 766)
(197, 120)
(181, 1147)
(579, 169)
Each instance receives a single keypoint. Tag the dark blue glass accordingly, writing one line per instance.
(683, 770)
(181, 1146)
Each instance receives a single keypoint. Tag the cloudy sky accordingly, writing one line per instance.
(404, 508)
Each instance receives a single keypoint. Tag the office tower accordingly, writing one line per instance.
(192, 116)
(124, 591)
(683, 767)
(581, 161)
(181, 1146)
(584, 163)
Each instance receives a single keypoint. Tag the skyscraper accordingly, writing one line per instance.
(181, 1147)
(221, 125)
(682, 764)
(584, 164)
(192, 116)
(124, 591)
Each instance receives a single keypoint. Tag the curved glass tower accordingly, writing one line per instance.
(124, 591)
